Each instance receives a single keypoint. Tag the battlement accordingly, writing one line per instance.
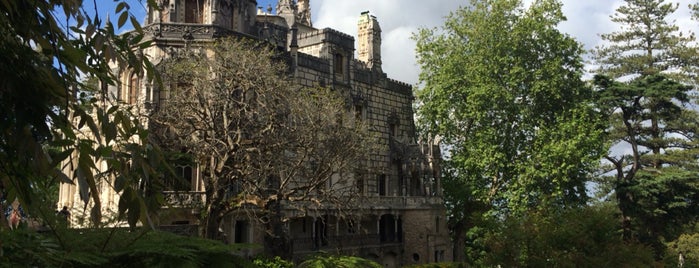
(326, 35)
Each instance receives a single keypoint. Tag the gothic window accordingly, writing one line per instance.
(339, 64)
(183, 180)
(358, 113)
(351, 226)
(183, 167)
(194, 11)
(233, 17)
(393, 129)
(134, 85)
(382, 189)
(360, 186)
(436, 224)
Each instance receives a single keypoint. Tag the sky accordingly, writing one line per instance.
(399, 19)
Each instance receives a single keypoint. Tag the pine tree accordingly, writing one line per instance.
(643, 88)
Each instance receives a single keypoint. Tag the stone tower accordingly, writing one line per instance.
(369, 41)
(304, 12)
(287, 9)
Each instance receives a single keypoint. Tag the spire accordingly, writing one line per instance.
(285, 7)
(287, 10)
(304, 12)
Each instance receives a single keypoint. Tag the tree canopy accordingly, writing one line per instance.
(260, 138)
(48, 108)
(644, 87)
(503, 86)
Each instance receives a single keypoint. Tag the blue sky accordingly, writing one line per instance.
(399, 19)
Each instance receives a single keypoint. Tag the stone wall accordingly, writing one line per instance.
(426, 236)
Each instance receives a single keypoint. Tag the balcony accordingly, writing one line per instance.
(309, 244)
(193, 31)
(187, 31)
(184, 199)
(401, 202)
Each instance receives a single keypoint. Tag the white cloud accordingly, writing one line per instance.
(398, 19)
(587, 19)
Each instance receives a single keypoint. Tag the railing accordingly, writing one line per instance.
(342, 241)
(184, 199)
(400, 201)
(188, 31)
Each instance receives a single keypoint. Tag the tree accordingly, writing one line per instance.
(263, 143)
(44, 119)
(643, 89)
(503, 87)
(579, 237)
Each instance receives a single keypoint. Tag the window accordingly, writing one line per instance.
(436, 224)
(358, 113)
(360, 186)
(183, 180)
(303, 225)
(382, 185)
(351, 226)
(184, 172)
(194, 11)
(134, 84)
(393, 129)
(339, 63)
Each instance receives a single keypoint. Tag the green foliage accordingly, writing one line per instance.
(45, 107)
(439, 265)
(688, 246)
(586, 237)
(650, 119)
(254, 127)
(276, 262)
(114, 248)
(338, 262)
(648, 43)
(503, 87)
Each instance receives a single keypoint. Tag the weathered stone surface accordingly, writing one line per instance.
(399, 219)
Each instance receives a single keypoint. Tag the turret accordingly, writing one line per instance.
(287, 10)
(304, 12)
(369, 41)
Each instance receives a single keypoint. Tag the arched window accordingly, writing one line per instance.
(134, 85)
(339, 64)
(194, 11)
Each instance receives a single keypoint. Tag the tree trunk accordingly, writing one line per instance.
(459, 230)
(625, 199)
(277, 240)
(211, 226)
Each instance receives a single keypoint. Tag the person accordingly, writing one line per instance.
(681, 260)
(14, 219)
(65, 214)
